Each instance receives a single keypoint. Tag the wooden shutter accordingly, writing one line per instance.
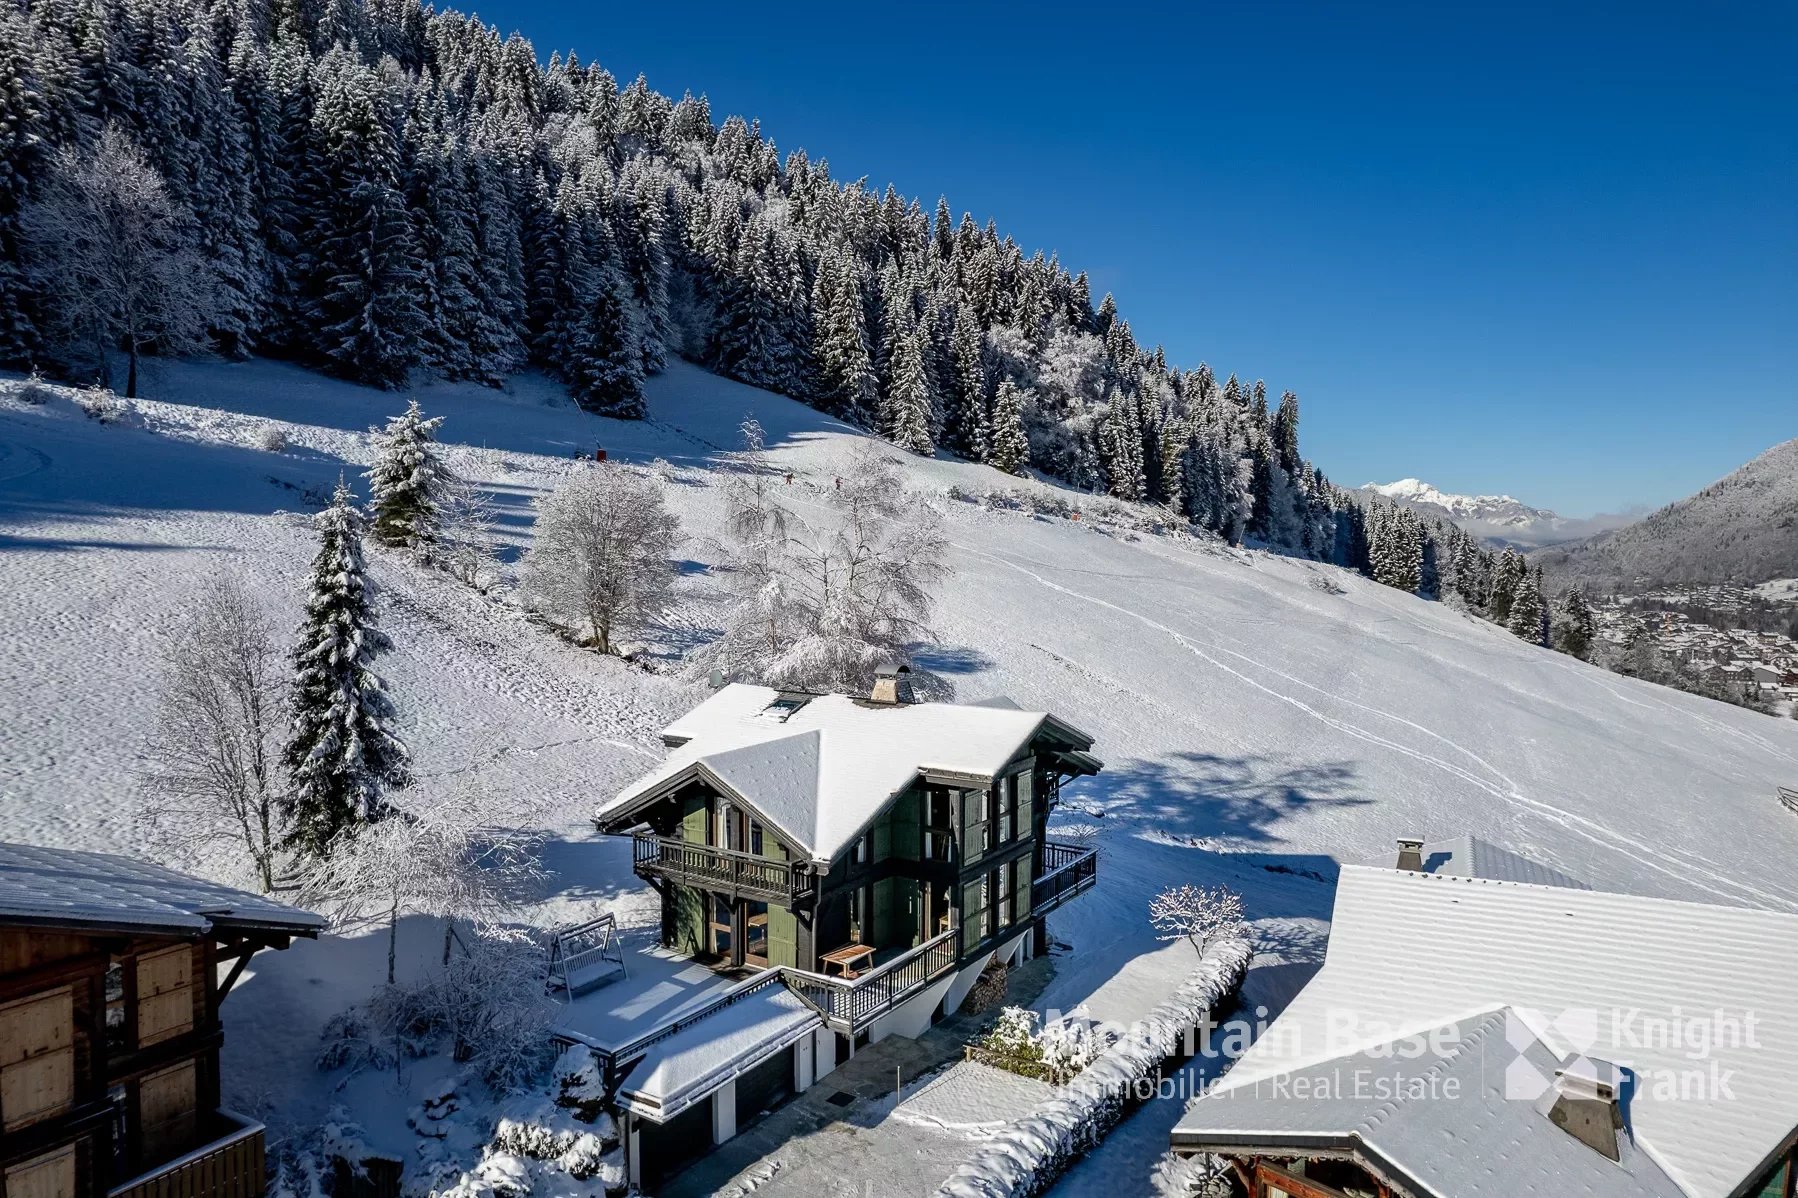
(166, 1111)
(49, 1176)
(37, 1058)
(165, 995)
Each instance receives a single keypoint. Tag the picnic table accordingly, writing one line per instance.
(845, 958)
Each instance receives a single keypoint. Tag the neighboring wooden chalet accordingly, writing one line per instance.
(1487, 1027)
(860, 861)
(109, 1029)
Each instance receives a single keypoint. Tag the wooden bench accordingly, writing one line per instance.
(585, 956)
(845, 958)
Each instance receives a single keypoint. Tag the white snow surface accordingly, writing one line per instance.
(1255, 729)
(681, 1069)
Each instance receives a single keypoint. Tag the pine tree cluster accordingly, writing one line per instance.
(385, 190)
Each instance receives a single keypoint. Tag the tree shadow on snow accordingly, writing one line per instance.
(1211, 795)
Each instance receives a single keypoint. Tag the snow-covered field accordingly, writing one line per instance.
(1256, 724)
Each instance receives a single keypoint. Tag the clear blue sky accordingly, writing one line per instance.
(1549, 249)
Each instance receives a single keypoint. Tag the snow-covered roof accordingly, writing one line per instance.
(1471, 857)
(821, 768)
(64, 888)
(677, 1072)
(1583, 972)
(1441, 1121)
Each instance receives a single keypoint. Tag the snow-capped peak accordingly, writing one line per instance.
(1498, 518)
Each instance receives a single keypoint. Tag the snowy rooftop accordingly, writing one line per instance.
(819, 769)
(680, 1070)
(68, 889)
(1442, 1121)
(1470, 857)
(659, 986)
(1582, 972)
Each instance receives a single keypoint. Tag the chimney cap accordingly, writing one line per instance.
(1410, 842)
(891, 669)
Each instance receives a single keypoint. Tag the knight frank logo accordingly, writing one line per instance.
(1670, 1054)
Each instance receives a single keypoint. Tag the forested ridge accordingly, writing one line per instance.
(379, 190)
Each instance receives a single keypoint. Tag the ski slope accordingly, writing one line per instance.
(1260, 718)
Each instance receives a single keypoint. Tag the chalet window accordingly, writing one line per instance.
(167, 1111)
(1020, 889)
(118, 1030)
(755, 838)
(37, 1058)
(975, 830)
(1006, 873)
(975, 897)
(51, 1175)
(1023, 802)
(165, 995)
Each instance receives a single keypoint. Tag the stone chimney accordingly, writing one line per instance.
(892, 685)
(1410, 853)
(1583, 1103)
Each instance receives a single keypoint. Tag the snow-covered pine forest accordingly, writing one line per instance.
(382, 191)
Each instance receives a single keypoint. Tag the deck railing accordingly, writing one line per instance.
(849, 1005)
(1068, 870)
(232, 1166)
(726, 870)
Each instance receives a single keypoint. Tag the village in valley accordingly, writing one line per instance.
(1740, 638)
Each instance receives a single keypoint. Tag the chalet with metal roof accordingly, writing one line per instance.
(1475, 1036)
(109, 1028)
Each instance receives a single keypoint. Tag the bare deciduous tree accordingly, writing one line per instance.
(1201, 914)
(117, 255)
(447, 852)
(214, 774)
(820, 607)
(601, 558)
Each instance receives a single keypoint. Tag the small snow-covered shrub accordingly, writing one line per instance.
(100, 404)
(1323, 582)
(1069, 1045)
(1200, 914)
(34, 391)
(352, 1041)
(271, 437)
(581, 1083)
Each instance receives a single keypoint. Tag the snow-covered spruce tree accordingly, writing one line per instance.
(1524, 617)
(601, 562)
(1008, 449)
(1503, 591)
(343, 752)
(1576, 628)
(906, 418)
(845, 367)
(408, 483)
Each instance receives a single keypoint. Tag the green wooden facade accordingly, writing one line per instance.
(946, 853)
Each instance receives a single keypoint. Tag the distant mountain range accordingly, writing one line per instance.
(1498, 519)
(1742, 529)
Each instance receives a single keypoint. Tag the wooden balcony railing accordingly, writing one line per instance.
(726, 870)
(1068, 870)
(849, 1006)
(231, 1166)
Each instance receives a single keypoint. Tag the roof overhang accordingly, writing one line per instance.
(621, 819)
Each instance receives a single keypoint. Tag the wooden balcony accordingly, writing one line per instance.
(851, 1005)
(230, 1166)
(1068, 870)
(725, 871)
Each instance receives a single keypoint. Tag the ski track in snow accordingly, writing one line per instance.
(1728, 887)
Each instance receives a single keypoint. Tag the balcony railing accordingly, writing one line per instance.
(849, 1006)
(1068, 870)
(231, 1166)
(725, 870)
